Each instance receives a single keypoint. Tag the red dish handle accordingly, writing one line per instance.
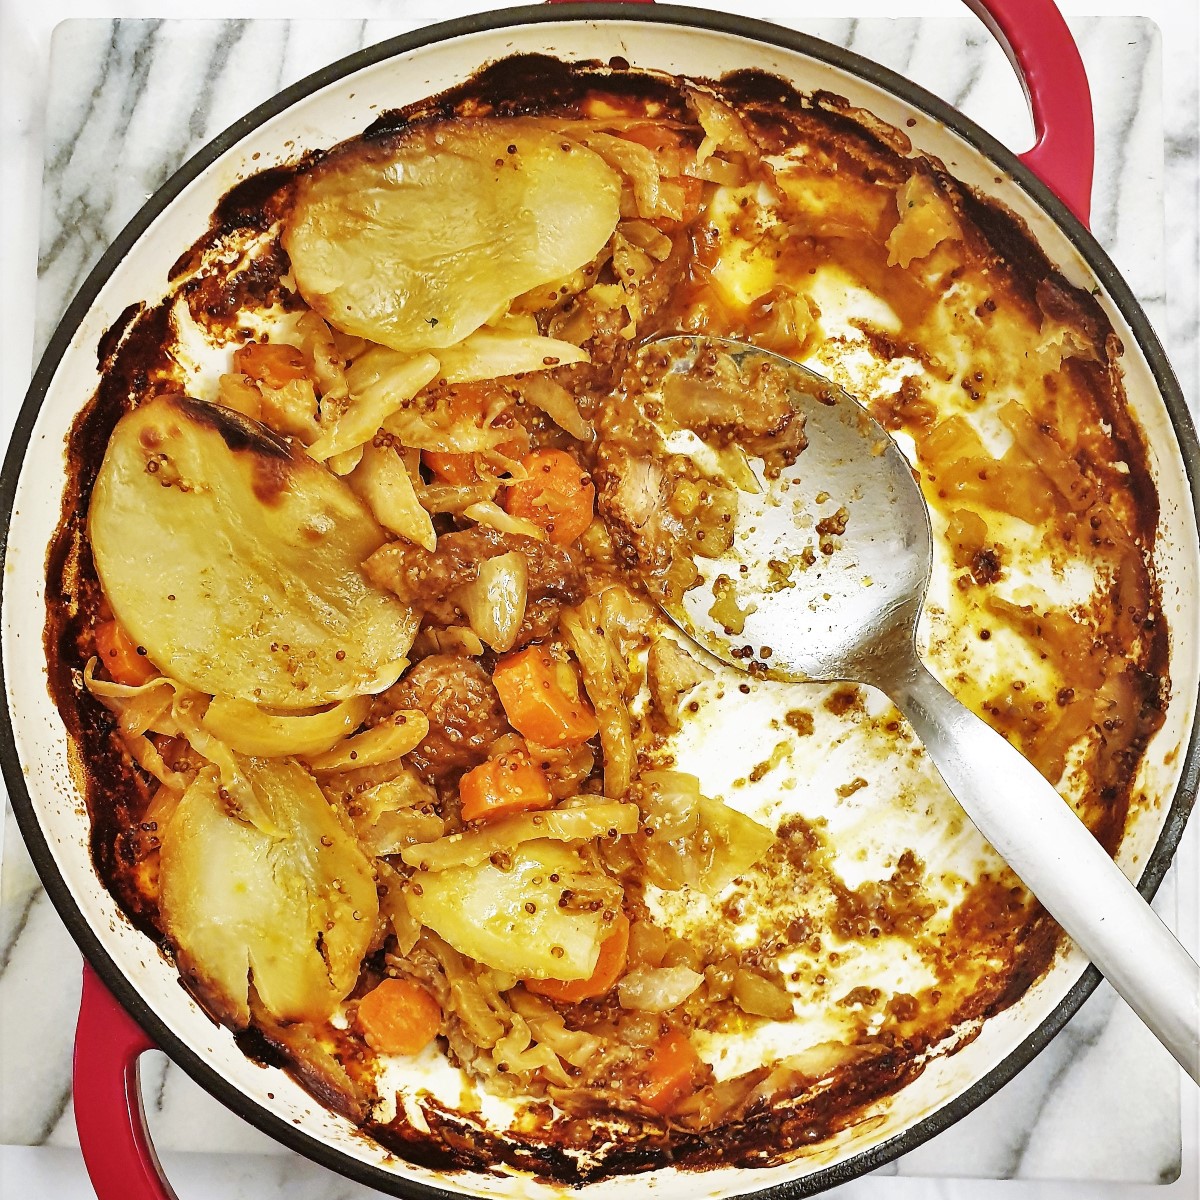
(1044, 54)
(109, 1116)
(1042, 51)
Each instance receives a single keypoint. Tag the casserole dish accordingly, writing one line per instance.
(1180, 498)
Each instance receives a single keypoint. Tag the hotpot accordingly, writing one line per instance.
(1048, 188)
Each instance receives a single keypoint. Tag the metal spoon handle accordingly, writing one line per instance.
(1057, 858)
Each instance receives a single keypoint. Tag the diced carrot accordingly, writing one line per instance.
(510, 783)
(398, 1017)
(457, 469)
(610, 966)
(121, 657)
(541, 698)
(670, 1072)
(272, 363)
(463, 469)
(558, 495)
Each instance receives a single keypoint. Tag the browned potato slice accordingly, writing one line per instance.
(418, 242)
(235, 561)
(294, 912)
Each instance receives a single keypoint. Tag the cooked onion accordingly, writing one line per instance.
(491, 354)
(494, 601)
(761, 997)
(657, 989)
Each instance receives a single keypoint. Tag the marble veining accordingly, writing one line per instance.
(129, 100)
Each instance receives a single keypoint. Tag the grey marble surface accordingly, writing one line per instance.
(129, 101)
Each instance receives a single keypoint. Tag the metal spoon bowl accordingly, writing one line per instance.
(829, 569)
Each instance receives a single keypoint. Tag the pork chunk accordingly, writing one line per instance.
(464, 711)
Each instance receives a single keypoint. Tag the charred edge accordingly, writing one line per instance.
(259, 1048)
(215, 297)
(763, 1137)
(111, 339)
(255, 204)
(533, 84)
(239, 433)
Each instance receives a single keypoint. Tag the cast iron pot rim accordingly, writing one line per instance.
(1094, 255)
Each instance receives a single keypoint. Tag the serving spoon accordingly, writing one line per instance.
(837, 598)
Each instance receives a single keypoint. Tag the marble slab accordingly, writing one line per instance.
(129, 100)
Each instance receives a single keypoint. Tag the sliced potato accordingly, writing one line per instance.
(418, 241)
(236, 562)
(292, 913)
(484, 910)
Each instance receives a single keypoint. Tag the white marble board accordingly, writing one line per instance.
(129, 100)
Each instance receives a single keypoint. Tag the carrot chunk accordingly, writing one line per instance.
(273, 363)
(670, 1073)
(456, 469)
(508, 784)
(558, 495)
(121, 657)
(541, 698)
(398, 1017)
(610, 966)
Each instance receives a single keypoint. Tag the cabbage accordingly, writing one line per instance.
(927, 218)
(395, 380)
(489, 513)
(236, 561)
(292, 912)
(504, 833)
(491, 354)
(382, 480)
(537, 915)
(558, 404)
(395, 813)
(723, 128)
(600, 632)
(418, 241)
(247, 729)
(672, 673)
(697, 841)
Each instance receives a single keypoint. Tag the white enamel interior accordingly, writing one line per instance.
(338, 111)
